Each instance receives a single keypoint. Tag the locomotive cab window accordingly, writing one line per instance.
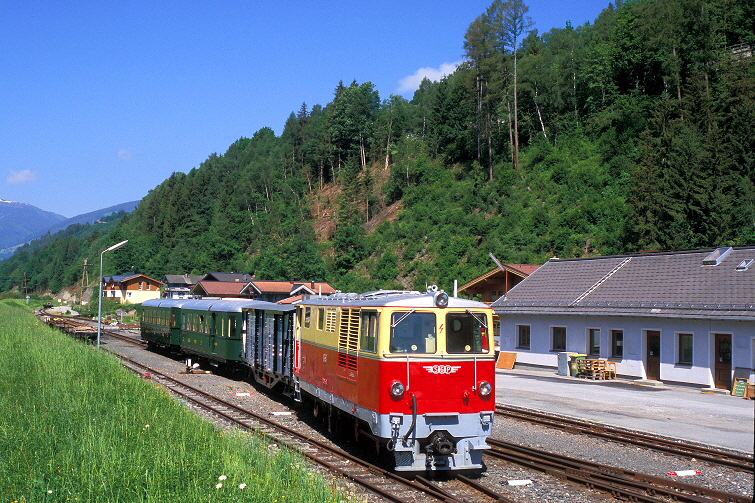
(412, 332)
(467, 333)
(369, 331)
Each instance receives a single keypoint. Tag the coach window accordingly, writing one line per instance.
(685, 349)
(320, 318)
(617, 343)
(467, 333)
(523, 336)
(307, 316)
(558, 338)
(369, 331)
(412, 332)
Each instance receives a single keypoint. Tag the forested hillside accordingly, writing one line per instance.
(633, 132)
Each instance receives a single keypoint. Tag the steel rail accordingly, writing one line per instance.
(365, 474)
(486, 490)
(613, 433)
(621, 483)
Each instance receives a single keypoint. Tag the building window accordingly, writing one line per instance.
(523, 336)
(593, 341)
(307, 316)
(617, 343)
(141, 285)
(320, 318)
(685, 349)
(558, 338)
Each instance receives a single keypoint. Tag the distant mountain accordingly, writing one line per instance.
(91, 217)
(22, 222)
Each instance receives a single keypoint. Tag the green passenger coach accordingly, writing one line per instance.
(245, 334)
(161, 322)
(212, 329)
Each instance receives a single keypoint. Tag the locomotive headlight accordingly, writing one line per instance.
(485, 388)
(397, 389)
(441, 299)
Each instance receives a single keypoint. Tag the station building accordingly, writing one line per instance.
(686, 317)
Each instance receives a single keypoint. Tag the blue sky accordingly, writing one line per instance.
(101, 101)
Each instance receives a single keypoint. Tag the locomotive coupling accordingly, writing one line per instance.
(441, 443)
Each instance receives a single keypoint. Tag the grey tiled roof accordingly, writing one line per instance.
(181, 279)
(228, 277)
(672, 283)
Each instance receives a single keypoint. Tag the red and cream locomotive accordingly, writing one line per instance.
(412, 371)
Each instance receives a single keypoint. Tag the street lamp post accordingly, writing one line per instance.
(99, 306)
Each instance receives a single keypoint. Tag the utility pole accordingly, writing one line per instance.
(23, 285)
(84, 281)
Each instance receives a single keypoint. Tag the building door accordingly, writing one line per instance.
(722, 366)
(653, 360)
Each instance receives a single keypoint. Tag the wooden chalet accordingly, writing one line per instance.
(495, 283)
(131, 288)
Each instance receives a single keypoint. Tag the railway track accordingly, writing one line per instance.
(616, 434)
(387, 485)
(622, 484)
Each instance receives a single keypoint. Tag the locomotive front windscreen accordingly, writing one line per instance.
(412, 332)
(467, 333)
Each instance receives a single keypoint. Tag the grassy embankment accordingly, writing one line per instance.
(76, 426)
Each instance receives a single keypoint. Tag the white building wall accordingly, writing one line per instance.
(633, 361)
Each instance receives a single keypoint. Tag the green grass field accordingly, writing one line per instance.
(76, 426)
